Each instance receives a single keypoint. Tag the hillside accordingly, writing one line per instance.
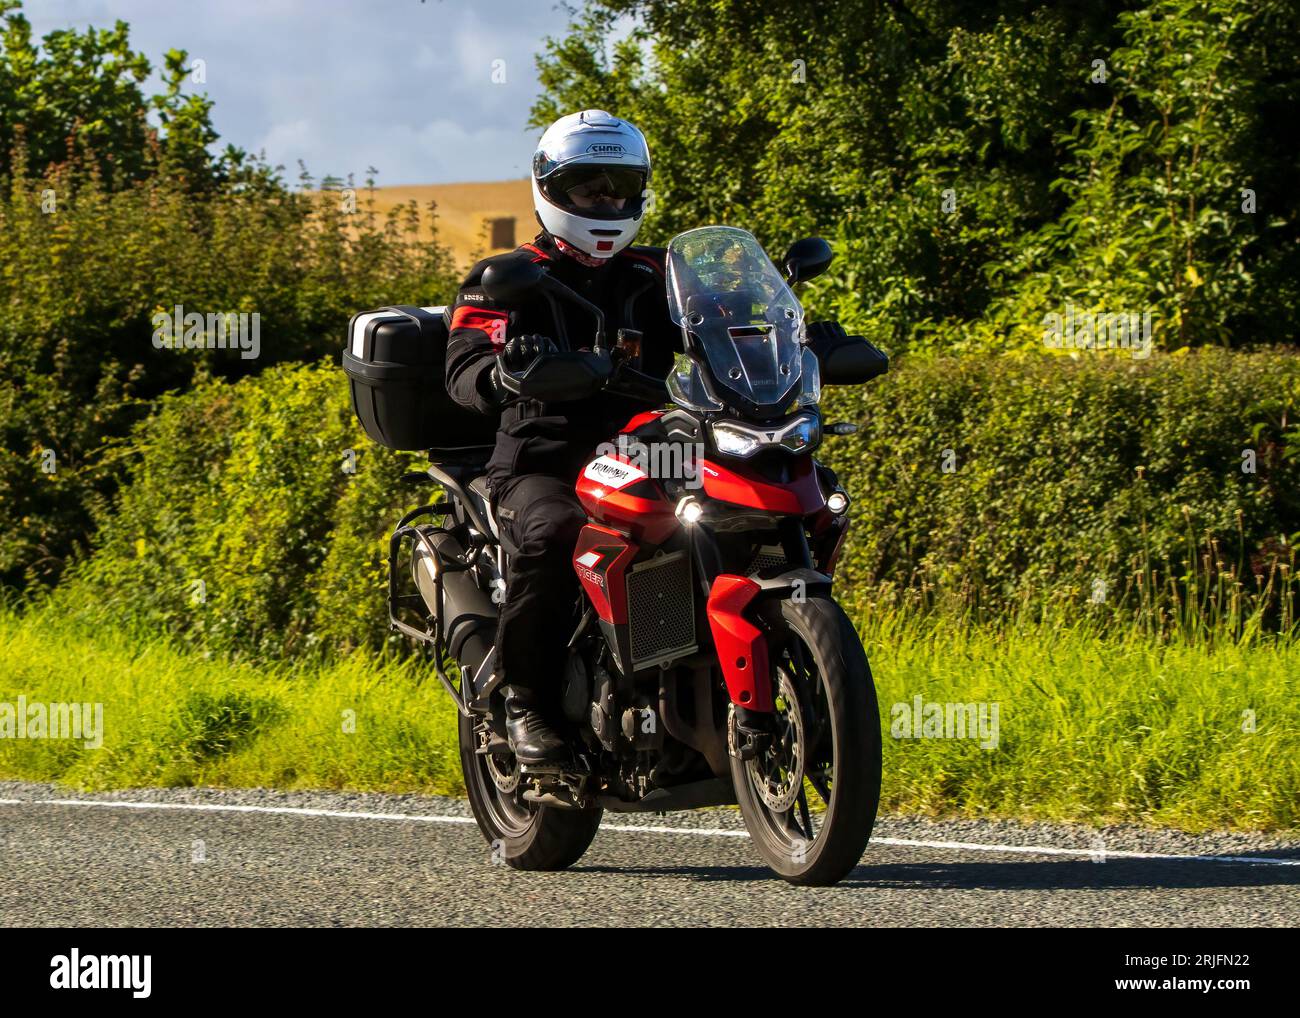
(465, 209)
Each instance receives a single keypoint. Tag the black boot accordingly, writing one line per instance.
(532, 739)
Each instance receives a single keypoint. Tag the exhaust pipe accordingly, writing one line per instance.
(467, 617)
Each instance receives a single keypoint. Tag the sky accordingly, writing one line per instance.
(402, 85)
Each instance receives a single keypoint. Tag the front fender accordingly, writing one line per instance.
(801, 580)
(741, 646)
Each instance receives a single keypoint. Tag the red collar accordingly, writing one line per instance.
(581, 257)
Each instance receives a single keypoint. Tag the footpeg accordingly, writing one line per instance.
(550, 785)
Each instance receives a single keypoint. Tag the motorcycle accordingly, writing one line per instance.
(709, 663)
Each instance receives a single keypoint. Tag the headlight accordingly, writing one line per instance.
(689, 510)
(803, 433)
(737, 438)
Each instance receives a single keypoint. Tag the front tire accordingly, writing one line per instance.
(526, 836)
(827, 743)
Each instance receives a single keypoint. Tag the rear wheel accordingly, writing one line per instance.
(809, 799)
(526, 835)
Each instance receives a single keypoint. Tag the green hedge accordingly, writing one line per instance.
(80, 282)
(1096, 484)
(1063, 473)
(268, 494)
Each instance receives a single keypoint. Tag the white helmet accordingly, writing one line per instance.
(590, 174)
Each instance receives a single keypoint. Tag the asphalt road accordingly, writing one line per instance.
(258, 858)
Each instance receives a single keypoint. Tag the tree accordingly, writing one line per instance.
(78, 94)
(976, 164)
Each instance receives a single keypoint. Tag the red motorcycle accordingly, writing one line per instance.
(709, 663)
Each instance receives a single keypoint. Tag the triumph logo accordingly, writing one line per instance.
(611, 472)
(74, 971)
(676, 461)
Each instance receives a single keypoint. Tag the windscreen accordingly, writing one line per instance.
(725, 292)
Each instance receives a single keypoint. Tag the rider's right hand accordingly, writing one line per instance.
(523, 350)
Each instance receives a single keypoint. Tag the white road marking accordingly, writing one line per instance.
(213, 807)
(705, 832)
(966, 846)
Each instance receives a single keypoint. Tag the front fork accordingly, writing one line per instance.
(739, 638)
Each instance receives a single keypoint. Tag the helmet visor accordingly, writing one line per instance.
(594, 191)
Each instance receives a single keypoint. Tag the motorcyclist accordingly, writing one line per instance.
(590, 178)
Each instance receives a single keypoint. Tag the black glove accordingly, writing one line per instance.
(523, 350)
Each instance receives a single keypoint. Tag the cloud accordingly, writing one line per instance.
(396, 84)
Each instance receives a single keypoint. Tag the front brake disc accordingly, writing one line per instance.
(777, 774)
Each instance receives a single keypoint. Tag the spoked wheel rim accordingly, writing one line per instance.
(794, 777)
(498, 777)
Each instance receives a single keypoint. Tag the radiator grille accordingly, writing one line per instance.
(767, 557)
(661, 609)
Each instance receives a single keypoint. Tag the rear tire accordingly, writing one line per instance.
(839, 724)
(526, 836)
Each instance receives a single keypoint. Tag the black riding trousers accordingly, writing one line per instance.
(539, 517)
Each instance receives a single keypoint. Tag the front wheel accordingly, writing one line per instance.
(809, 798)
(525, 835)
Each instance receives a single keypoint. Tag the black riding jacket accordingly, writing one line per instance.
(557, 438)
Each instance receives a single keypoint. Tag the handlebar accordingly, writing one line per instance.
(578, 374)
(628, 381)
(558, 377)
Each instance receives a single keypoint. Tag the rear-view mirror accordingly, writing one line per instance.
(508, 280)
(806, 258)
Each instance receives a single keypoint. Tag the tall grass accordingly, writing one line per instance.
(1093, 727)
(174, 717)
(1207, 599)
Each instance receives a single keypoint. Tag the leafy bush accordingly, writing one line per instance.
(244, 529)
(80, 282)
(1095, 484)
(78, 94)
(108, 219)
(1089, 486)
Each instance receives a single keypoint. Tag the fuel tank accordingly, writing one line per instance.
(620, 486)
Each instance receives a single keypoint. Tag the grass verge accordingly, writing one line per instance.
(1090, 728)
(174, 717)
